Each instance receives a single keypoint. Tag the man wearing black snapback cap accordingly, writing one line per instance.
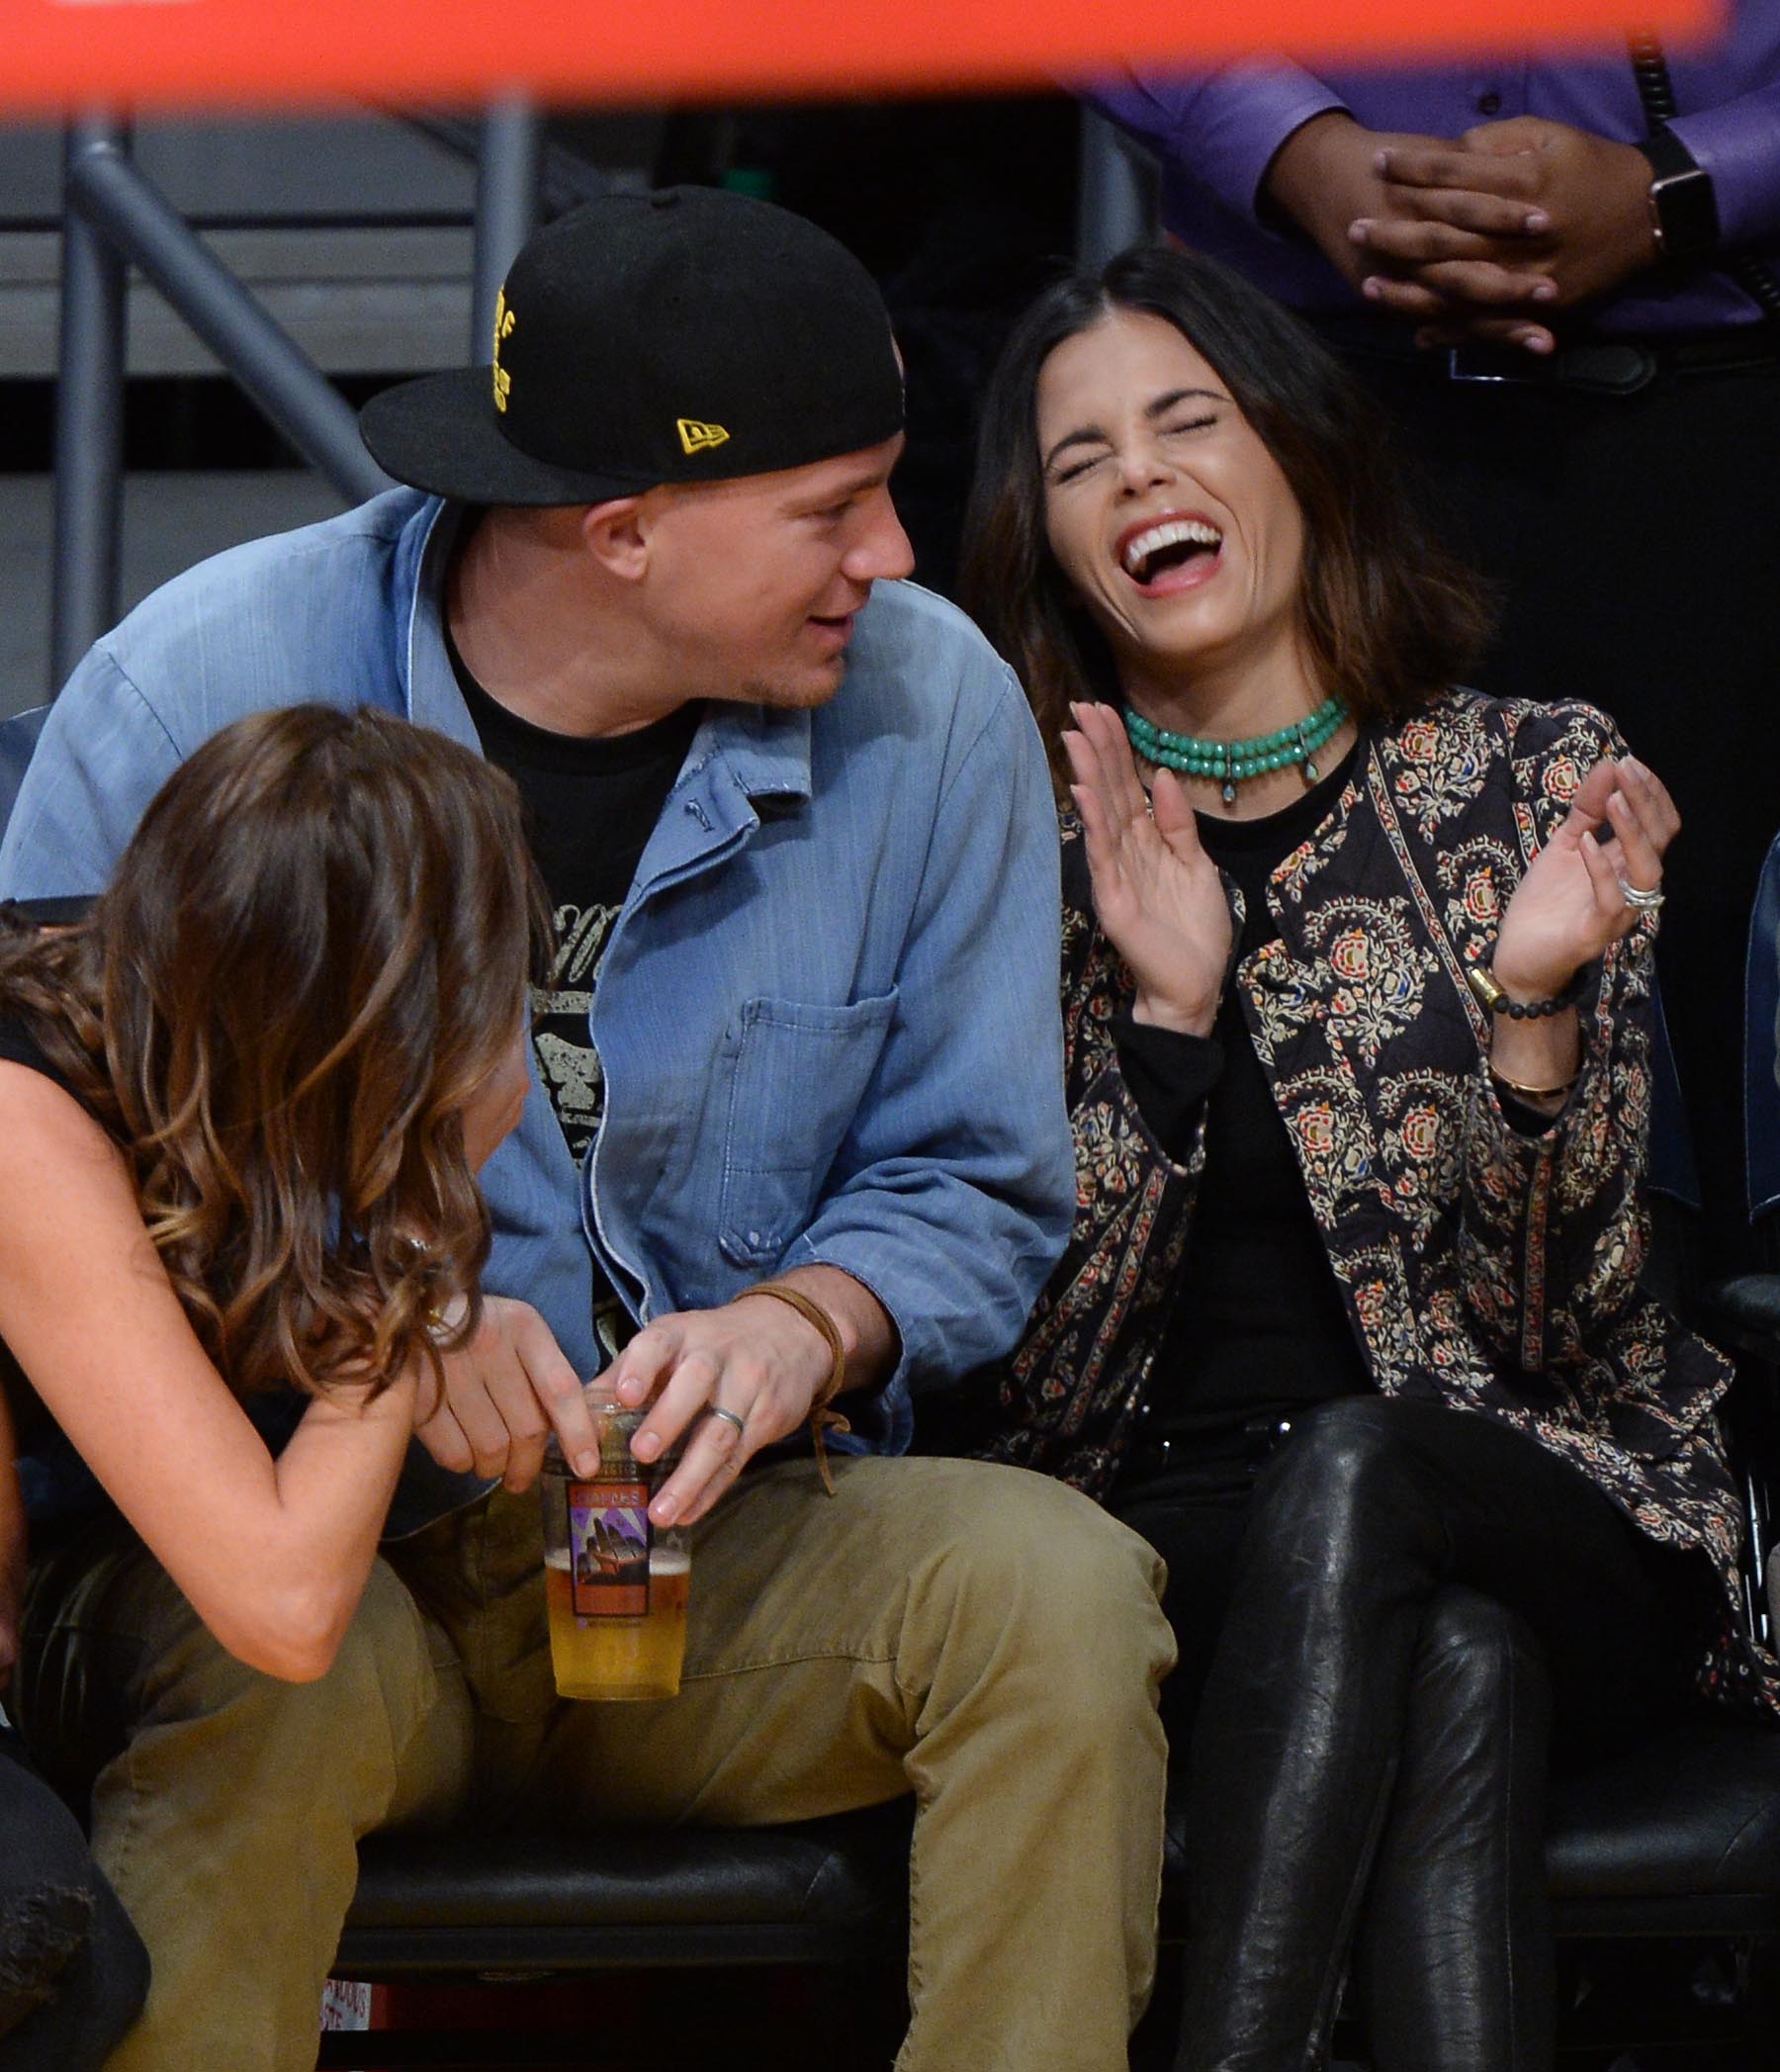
(801, 1032)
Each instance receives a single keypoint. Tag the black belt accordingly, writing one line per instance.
(1223, 1457)
(1593, 367)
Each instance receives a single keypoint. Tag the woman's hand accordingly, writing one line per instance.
(1156, 892)
(1571, 905)
(503, 1394)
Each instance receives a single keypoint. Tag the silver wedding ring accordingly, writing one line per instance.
(730, 1417)
(1638, 899)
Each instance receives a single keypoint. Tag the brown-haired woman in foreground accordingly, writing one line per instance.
(1356, 980)
(243, 1102)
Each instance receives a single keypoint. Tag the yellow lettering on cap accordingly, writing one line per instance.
(503, 326)
(698, 438)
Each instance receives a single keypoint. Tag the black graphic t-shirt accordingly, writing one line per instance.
(591, 807)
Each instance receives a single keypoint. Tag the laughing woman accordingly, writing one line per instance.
(1357, 994)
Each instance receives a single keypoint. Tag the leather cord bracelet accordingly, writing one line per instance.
(822, 1419)
(1493, 997)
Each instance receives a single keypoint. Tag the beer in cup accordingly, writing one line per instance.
(616, 1584)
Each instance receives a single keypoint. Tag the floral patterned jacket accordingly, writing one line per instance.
(1481, 1266)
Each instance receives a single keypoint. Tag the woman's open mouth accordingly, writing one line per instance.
(1165, 555)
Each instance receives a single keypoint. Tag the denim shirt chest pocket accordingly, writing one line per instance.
(797, 1075)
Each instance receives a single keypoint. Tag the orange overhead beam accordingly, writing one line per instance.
(59, 53)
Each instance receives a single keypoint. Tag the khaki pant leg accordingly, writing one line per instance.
(981, 1636)
(227, 1805)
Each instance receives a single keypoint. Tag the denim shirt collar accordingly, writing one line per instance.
(428, 683)
(747, 764)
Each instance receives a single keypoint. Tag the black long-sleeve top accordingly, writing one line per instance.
(1260, 1331)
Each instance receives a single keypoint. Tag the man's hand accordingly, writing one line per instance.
(1447, 256)
(757, 1359)
(504, 1393)
(1330, 175)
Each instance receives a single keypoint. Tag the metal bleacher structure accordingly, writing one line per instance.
(1677, 1840)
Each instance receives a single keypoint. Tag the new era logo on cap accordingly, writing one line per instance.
(699, 438)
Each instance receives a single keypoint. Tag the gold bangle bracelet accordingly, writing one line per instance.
(822, 1418)
(1532, 1093)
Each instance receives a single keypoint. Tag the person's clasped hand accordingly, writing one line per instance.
(1471, 220)
(1341, 183)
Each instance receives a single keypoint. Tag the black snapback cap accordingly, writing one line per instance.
(688, 335)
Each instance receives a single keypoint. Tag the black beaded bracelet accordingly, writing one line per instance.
(1493, 996)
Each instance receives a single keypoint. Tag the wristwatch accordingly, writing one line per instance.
(1683, 210)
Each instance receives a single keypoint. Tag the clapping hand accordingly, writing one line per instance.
(1157, 894)
(1572, 903)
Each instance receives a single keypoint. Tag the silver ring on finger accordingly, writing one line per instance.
(1640, 900)
(740, 1424)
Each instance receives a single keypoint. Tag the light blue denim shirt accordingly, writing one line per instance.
(828, 1012)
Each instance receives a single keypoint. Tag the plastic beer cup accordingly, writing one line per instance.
(616, 1584)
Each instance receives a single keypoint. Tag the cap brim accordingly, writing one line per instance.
(439, 435)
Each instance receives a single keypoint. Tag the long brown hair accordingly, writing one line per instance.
(312, 953)
(1390, 616)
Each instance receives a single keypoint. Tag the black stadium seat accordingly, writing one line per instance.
(826, 1892)
(1679, 1837)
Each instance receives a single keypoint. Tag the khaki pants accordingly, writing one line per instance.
(981, 1636)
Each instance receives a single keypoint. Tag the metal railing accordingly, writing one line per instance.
(115, 218)
(1116, 192)
(521, 179)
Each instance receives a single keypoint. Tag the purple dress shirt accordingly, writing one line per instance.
(1217, 134)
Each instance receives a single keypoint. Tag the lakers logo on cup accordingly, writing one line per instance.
(503, 326)
(699, 438)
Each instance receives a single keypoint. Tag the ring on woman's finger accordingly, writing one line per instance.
(729, 1418)
(1640, 900)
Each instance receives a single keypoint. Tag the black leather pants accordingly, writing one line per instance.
(1452, 1956)
(1418, 1605)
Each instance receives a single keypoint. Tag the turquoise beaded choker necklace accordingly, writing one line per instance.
(1231, 763)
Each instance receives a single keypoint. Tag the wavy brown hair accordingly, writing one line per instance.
(313, 953)
(1390, 616)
